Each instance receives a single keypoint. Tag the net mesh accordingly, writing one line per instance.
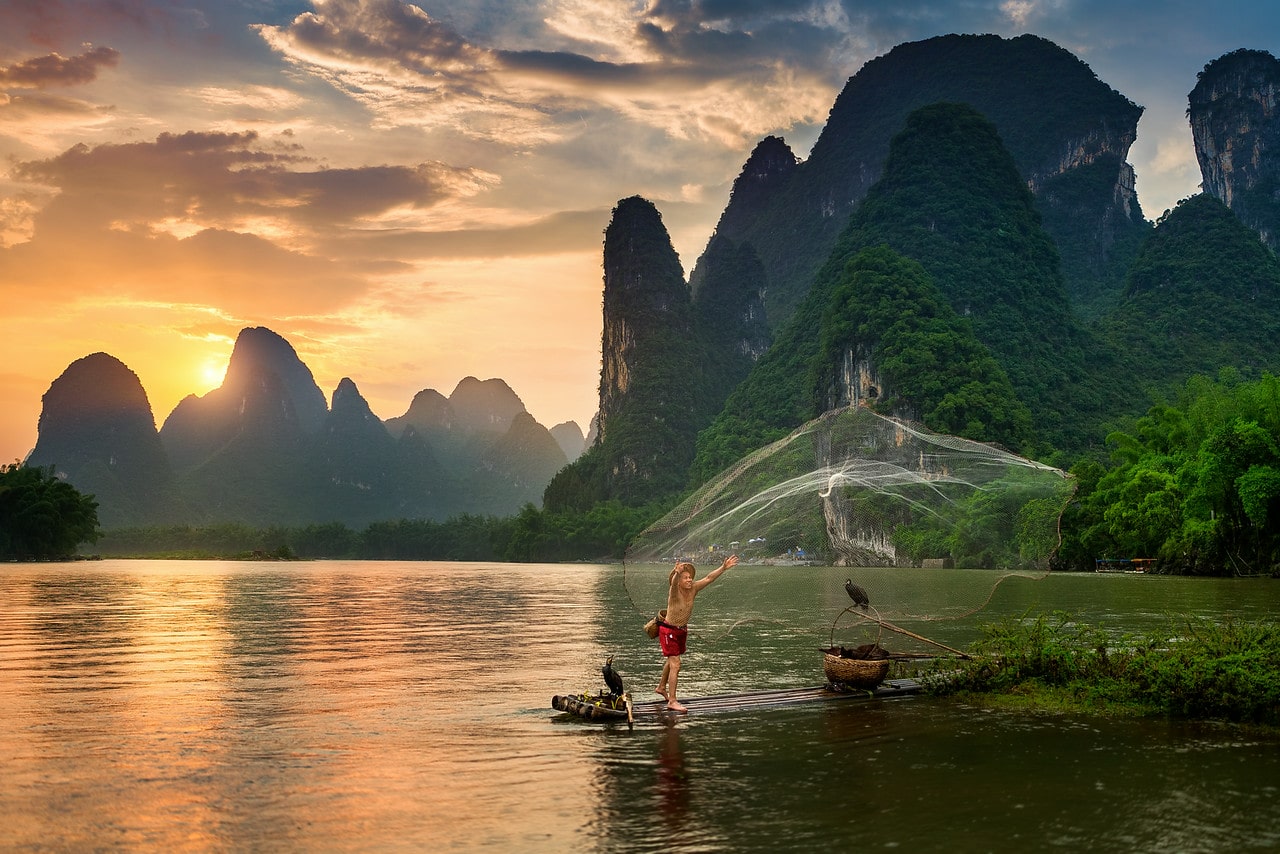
(924, 526)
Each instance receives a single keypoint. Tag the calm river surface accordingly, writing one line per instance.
(369, 706)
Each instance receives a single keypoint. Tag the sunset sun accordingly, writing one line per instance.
(211, 374)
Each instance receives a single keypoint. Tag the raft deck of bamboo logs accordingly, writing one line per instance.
(599, 709)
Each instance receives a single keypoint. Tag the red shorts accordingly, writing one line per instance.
(672, 639)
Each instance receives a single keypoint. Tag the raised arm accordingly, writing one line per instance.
(711, 576)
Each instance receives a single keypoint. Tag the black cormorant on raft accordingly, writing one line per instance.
(612, 679)
(614, 703)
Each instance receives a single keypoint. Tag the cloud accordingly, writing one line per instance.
(232, 220)
(30, 116)
(54, 70)
(231, 181)
(566, 231)
(257, 99)
(240, 274)
(407, 67)
(378, 34)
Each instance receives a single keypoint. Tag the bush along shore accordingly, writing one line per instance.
(1196, 669)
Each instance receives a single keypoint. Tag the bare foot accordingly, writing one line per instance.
(661, 691)
(675, 706)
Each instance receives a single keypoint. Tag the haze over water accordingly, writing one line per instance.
(380, 705)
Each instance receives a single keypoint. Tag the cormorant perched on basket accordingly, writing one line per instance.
(612, 679)
(857, 594)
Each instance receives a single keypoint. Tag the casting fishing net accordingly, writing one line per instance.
(924, 526)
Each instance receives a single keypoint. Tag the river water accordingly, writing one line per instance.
(370, 706)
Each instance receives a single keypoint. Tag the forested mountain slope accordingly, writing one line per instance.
(1068, 132)
(1204, 294)
(952, 200)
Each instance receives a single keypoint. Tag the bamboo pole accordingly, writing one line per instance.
(883, 623)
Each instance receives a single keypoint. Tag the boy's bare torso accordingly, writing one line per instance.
(679, 605)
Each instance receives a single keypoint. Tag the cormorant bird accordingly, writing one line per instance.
(857, 594)
(612, 679)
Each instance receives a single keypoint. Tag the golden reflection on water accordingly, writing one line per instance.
(206, 705)
(365, 706)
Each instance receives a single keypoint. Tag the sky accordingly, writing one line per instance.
(411, 194)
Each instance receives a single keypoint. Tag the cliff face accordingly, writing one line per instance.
(429, 410)
(730, 318)
(1236, 128)
(769, 167)
(476, 451)
(647, 307)
(942, 301)
(568, 436)
(356, 465)
(652, 380)
(485, 405)
(527, 457)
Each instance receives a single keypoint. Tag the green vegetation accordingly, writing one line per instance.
(888, 309)
(1078, 216)
(601, 533)
(1203, 293)
(41, 517)
(951, 200)
(1198, 669)
(728, 314)
(1009, 522)
(1194, 483)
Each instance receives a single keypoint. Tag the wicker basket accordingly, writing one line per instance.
(854, 672)
(847, 668)
(651, 627)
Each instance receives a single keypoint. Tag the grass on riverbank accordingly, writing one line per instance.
(1196, 670)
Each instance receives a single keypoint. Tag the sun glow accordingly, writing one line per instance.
(212, 373)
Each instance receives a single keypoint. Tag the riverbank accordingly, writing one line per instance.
(1195, 669)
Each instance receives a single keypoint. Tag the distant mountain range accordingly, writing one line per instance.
(964, 247)
(266, 448)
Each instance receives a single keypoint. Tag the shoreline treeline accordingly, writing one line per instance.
(599, 534)
(1194, 483)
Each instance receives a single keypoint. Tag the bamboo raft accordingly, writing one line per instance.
(604, 708)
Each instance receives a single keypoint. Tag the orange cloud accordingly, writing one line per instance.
(226, 219)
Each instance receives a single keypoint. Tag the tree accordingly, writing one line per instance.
(42, 517)
(1195, 482)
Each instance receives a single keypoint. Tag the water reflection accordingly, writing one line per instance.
(350, 706)
(673, 780)
(924, 776)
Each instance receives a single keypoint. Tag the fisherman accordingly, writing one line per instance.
(673, 631)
